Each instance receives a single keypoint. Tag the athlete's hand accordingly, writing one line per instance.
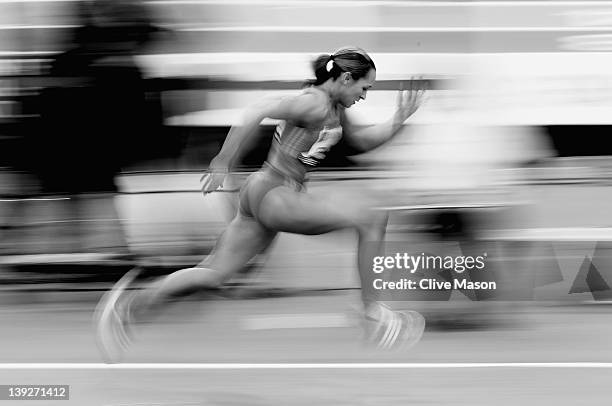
(409, 101)
(318, 152)
(213, 178)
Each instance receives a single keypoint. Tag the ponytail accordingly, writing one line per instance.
(348, 59)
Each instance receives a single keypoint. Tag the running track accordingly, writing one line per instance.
(222, 332)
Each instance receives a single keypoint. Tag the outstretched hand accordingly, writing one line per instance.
(409, 100)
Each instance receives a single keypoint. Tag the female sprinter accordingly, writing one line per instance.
(273, 199)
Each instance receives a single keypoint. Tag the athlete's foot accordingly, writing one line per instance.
(389, 329)
(113, 317)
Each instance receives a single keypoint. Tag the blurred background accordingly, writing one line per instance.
(110, 110)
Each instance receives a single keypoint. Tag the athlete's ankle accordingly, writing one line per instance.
(373, 310)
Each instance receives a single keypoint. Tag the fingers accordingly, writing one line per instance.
(419, 89)
(413, 98)
(415, 90)
(423, 85)
(207, 183)
(404, 96)
(211, 181)
(410, 99)
(418, 86)
(400, 94)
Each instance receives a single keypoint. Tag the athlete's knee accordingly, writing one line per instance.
(201, 278)
(211, 278)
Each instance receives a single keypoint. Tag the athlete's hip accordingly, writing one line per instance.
(258, 185)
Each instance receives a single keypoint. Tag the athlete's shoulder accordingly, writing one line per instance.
(309, 108)
(312, 106)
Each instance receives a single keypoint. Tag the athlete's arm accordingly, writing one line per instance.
(368, 138)
(305, 109)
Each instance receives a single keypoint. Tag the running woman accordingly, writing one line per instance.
(273, 199)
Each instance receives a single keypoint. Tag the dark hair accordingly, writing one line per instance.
(347, 59)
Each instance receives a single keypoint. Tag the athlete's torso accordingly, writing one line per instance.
(294, 143)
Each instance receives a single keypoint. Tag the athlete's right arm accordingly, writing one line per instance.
(305, 109)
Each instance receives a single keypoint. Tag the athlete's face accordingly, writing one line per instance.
(355, 90)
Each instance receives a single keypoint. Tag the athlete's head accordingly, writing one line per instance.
(350, 69)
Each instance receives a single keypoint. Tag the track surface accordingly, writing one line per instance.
(232, 331)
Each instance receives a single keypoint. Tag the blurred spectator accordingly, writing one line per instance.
(95, 113)
(96, 117)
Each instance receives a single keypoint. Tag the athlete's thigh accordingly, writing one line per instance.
(284, 209)
(244, 238)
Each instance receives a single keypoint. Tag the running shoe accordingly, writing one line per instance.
(113, 321)
(395, 329)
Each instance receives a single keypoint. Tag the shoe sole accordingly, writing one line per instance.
(414, 333)
(402, 332)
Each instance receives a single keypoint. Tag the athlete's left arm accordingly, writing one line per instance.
(368, 138)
